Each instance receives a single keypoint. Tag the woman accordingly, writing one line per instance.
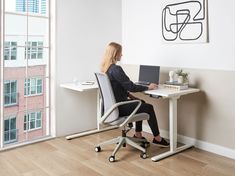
(122, 86)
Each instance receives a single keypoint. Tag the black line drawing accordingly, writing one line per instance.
(183, 21)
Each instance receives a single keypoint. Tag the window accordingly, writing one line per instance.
(35, 50)
(10, 94)
(27, 32)
(32, 121)
(33, 86)
(10, 50)
(34, 6)
(10, 131)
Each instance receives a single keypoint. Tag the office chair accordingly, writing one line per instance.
(111, 117)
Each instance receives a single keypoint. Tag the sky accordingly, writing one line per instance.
(10, 5)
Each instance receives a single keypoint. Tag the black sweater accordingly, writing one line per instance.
(121, 83)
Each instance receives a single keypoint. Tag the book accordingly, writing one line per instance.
(175, 85)
(88, 83)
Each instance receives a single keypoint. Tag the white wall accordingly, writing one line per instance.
(143, 44)
(207, 116)
(84, 28)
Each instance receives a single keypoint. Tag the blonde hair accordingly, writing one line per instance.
(110, 57)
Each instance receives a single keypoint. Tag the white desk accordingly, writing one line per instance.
(80, 88)
(173, 96)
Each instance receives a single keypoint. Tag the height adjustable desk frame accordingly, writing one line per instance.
(173, 96)
(81, 88)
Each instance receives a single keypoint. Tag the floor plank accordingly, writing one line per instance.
(61, 157)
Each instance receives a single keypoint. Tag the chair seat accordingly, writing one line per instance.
(136, 117)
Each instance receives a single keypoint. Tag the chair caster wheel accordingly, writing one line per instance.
(143, 155)
(111, 159)
(98, 149)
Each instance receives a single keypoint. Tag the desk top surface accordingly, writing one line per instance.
(79, 86)
(167, 92)
(164, 92)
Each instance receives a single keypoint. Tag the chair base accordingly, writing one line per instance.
(120, 141)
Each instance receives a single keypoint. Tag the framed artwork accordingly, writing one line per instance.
(184, 21)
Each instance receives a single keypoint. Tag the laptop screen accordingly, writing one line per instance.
(149, 73)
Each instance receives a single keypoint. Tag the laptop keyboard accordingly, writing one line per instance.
(145, 83)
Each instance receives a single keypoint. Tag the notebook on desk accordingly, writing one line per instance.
(148, 74)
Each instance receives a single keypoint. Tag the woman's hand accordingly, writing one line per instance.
(152, 86)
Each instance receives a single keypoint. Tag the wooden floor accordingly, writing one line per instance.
(60, 157)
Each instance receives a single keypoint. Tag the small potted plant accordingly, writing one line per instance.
(182, 76)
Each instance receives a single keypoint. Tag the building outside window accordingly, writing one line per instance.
(33, 86)
(43, 6)
(10, 131)
(34, 6)
(26, 71)
(10, 50)
(32, 121)
(10, 93)
(35, 50)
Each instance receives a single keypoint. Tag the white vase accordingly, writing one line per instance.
(180, 79)
(171, 76)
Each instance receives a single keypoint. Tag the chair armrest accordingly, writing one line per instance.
(130, 117)
(104, 117)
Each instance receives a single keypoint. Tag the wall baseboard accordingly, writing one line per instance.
(213, 148)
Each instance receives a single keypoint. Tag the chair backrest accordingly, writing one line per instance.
(107, 96)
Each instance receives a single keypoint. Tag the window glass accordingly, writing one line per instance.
(26, 68)
(10, 132)
(34, 50)
(10, 94)
(34, 121)
(33, 86)
(10, 50)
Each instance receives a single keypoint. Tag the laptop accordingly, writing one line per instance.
(148, 74)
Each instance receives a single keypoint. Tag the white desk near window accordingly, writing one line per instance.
(173, 96)
(81, 88)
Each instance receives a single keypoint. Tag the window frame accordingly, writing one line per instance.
(9, 131)
(28, 120)
(28, 86)
(30, 50)
(16, 93)
(49, 109)
(10, 49)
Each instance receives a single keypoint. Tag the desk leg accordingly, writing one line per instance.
(89, 132)
(98, 116)
(173, 132)
(98, 125)
(173, 123)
